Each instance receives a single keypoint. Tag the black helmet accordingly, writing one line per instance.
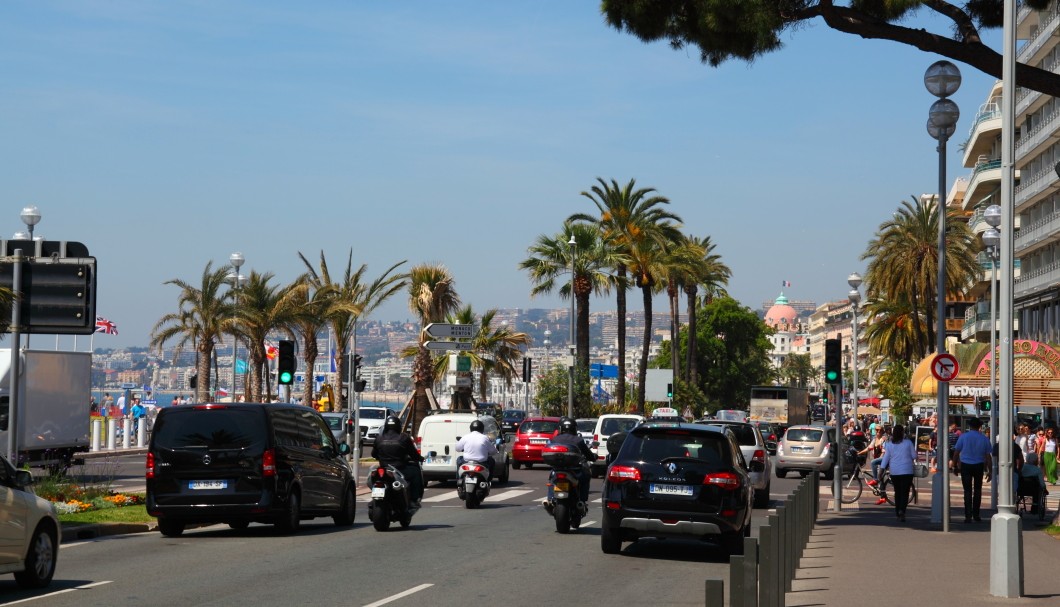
(568, 426)
(477, 426)
(392, 424)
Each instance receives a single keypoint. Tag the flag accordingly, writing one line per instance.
(105, 326)
(271, 351)
(785, 283)
(334, 368)
(241, 366)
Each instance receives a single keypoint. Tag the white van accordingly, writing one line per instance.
(437, 440)
(606, 425)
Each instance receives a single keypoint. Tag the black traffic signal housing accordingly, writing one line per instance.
(833, 361)
(285, 363)
(669, 390)
(358, 384)
(528, 369)
(193, 381)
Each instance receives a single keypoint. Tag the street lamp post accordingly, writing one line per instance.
(570, 380)
(942, 79)
(991, 239)
(854, 280)
(30, 216)
(547, 343)
(236, 259)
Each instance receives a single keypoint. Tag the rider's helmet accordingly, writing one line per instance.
(477, 426)
(568, 426)
(392, 424)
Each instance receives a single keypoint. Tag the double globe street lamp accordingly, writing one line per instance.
(237, 260)
(992, 244)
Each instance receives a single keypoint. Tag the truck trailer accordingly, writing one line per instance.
(783, 405)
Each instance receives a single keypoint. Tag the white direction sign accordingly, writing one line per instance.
(944, 367)
(456, 346)
(440, 330)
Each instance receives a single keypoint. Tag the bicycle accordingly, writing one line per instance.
(852, 486)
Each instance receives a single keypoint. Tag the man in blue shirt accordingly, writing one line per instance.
(971, 456)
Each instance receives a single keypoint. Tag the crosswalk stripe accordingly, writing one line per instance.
(507, 495)
(441, 497)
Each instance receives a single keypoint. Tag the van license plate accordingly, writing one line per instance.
(671, 489)
(441, 459)
(207, 485)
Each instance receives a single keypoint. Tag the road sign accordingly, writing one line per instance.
(439, 330)
(944, 367)
(458, 381)
(455, 346)
(604, 371)
(459, 363)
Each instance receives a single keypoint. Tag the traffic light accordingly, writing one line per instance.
(824, 397)
(984, 403)
(833, 361)
(528, 369)
(669, 390)
(358, 383)
(285, 363)
(193, 381)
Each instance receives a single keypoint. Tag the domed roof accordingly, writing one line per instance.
(781, 315)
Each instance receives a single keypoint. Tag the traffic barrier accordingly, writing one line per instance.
(97, 433)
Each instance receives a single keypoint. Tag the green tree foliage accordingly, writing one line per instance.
(552, 393)
(797, 370)
(893, 383)
(748, 29)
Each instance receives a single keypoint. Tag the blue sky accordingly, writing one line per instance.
(164, 135)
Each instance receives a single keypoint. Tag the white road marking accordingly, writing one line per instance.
(587, 523)
(399, 595)
(74, 545)
(448, 495)
(58, 592)
(507, 495)
(597, 500)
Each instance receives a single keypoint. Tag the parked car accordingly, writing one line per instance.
(534, 433)
(606, 425)
(437, 440)
(771, 434)
(755, 454)
(586, 428)
(511, 419)
(29, 530)
(238, 463)
(680, 480)
(807, 449)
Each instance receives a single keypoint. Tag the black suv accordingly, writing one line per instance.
(673, 479)
(511, 420)
(243, 463)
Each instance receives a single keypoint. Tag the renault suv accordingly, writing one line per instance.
(677, 480)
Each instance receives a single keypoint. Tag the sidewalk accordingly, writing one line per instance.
(865, 557)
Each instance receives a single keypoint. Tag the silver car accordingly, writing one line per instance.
(807, 449)
(755, 453)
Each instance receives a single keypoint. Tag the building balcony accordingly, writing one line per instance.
(985, 131)
(1035, 187)
(984, 181)
(1035, 281)
(1035, 45)
(977, 322)
(1038, 234)
(1028, 100)
(1044, 134)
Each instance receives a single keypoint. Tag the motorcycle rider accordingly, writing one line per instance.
(568, 435)
(394, 448)
(476, 447)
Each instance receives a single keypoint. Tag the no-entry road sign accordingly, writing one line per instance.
(944, 367)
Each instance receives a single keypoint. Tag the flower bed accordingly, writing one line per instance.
(115, 500)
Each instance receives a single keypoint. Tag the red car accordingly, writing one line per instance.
(534, 433)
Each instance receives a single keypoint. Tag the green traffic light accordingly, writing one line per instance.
(831, 376)
(285, 377)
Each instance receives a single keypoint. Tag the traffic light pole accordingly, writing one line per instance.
(837, 472)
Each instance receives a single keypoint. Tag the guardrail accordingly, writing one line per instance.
(762, 575)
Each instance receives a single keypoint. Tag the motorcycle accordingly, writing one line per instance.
(563, 505)
(473, 485)
(391, 501)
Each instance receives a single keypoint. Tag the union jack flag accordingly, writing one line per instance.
(105, 326)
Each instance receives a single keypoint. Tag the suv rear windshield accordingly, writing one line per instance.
(516, 415)
(745, 435)
(210, 429)
(807, 435)
(612, 425)
(655, 447)
(542, 426)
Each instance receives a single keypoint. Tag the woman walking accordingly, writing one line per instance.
(1047, 448)
(900, 457)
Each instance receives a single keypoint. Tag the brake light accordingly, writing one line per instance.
(471, 468)
(150, 465)
(759, 456)
(561, 476)
(268, 463)
(724, 480)
(622, 474)
(773, 437)
(596, 437)
(381, 472)
(209, 407)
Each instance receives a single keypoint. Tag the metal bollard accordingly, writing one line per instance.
(112, 427)
(715, 593)
(767, 569)
(750, 572)
(126, 433)
(737, 590)
(141, 433)
(97, 433)
(792, 535)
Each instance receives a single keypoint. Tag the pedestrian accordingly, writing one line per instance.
(1047, 449)
(972, 460)
(119, 407)
(954, 436)
(1025, 440)
(899, 457)
(108, 402)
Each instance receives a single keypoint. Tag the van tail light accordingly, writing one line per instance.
(419, 444)
(268, 463)
(759, 456)
(622, 474)
(150, 465)
(724, 480)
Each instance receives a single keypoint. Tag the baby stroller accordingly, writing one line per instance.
(1030, 497)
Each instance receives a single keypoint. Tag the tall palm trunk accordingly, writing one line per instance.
(620, 305)
(642, 376)
(202, 368)
(675, 329)
(583, 329)
(690, 360)
(310, 358)
(423, 378)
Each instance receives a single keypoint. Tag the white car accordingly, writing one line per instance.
(29, 530)
(755, 454)
(372, 420)
(606, 425)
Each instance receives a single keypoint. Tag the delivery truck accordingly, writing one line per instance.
(53, 406)
(783, 405)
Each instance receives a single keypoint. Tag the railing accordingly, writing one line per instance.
(1045, 30)
(1037, 278)
(1034, 183)
(986, 111)
(1025, 97)
(1040, 132)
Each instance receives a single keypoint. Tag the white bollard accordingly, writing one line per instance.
(112, 430)
(141, 433)
(126, 433)
(97, 431)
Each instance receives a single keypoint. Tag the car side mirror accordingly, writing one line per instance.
(23, 478)
(344, 449)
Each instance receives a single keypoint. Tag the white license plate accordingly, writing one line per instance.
(441, 459)
(671, 489)
(378, 492)
(802, 449)
(470, 481)
(538, 441)
(207, 485)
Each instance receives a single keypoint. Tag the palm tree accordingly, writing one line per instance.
(797, 370)
(650, 261)
(681, 265)
(625, 215)
(895, 334)
(494, 350)
(262, 308)
(311, 305)
(550, 258)
(202, 316)
(350, 299)
(903, 261)
(712, 275)
(432, 297)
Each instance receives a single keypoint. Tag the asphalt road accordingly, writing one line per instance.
(507, 551)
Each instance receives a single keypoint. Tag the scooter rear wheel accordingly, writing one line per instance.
(561, 512)
(380, 518)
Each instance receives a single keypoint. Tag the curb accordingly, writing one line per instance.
(88, 531)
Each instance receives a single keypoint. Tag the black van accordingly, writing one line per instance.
(246, 462)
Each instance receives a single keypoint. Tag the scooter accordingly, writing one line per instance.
(391, 501)
(563, 503)
(473, 484)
